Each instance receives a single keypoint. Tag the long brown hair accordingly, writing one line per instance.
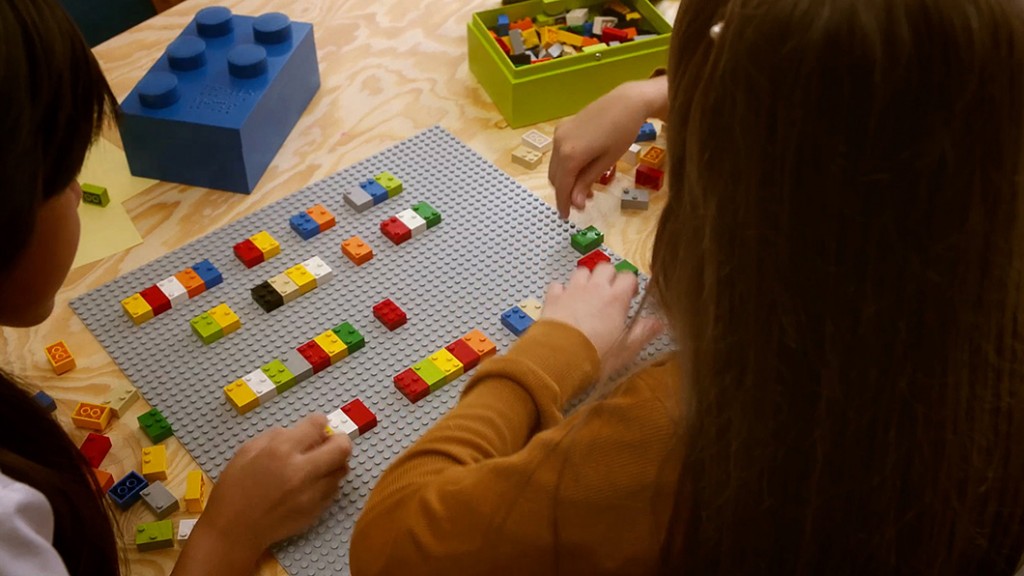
(53, 101)
(841, 258)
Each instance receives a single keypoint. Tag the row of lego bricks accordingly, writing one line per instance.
(292, 283)
(172, 291)
(257, 249)
(215, 323)
(373, 191)
(298, 365)
(518, 318)
(312, 222)
(444, 366)
(410, 223)
(353, 419)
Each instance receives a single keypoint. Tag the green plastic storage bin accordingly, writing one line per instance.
(561, 87)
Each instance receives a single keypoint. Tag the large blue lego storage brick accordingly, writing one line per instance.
(216, 107)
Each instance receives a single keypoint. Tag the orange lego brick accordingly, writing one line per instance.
(587, 41)
(193, 284)
(91, 416)
(524, 24)
(357, 251)
(60, 357)
(480, 344)
(104, 479)
(654, 157)
(322, 216)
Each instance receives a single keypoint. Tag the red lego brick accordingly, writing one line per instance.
(315, 355)
(358, 413)
(590, 261)
(607, 177)
(609, 34)
(389, 314)
(648, 177)
(524, 24)
(156, 299)
(501, 43)
(104, 479)
(395, 230)
(95, 449)
(248, 253)
(464, 353)
(411, 385)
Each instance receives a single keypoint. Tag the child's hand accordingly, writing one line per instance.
(593, 140)
(597, 304)
(276, 486)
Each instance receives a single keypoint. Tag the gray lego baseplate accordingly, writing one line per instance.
(497, 245)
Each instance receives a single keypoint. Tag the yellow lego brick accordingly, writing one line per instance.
(633, 17)
(549, 35)
(654, 157)
(532, 308)
(530, 38)
(302, 277)
(333, 345)
(60, 357)
(195, 491)
(154, 463)
(448, 364)
(569, 38)
(224, 316)
(266, 243)
(287, 288)
(136, 307)
(241, 396)
(91, 416)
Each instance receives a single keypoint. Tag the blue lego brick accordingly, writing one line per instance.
(216, 107)
(375, 190)
(516, 320)
(208, 273)
(128, 490)
(304, 225)
(503, 23)
(588, 28)
(44, 400)
(647, 133)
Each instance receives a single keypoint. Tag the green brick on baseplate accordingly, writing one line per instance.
(428, 213)
(208, 329)
(279, 374)
(96, 195)
(154, 535)
(626, 266)
(390, 182)
(155, 426)
(350, 336)
(587, 240)
(431, 374)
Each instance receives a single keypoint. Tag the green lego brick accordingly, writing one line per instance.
(587, 240)
(154, 535)
(390, 182)
(93, 194)
(428, 213)
(208, 329)
(431, 374)
(280, 375)
(626, 266)
(350, 336)
(155, 426)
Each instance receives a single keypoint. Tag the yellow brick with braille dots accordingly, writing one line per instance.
(136, 307)
(224, 316)
(448, 364)
(241, 396)
(195, 492)
(335, 348)
(302, 277)
(154, 463)
(266, 243)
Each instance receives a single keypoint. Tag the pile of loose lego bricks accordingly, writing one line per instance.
(172, 291)
(545, 38)
(444, 366)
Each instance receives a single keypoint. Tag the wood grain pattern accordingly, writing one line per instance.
(389, 69)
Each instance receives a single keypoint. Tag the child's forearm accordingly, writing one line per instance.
(654, 93)
(210, 549)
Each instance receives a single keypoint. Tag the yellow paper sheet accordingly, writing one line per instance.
(108, 230)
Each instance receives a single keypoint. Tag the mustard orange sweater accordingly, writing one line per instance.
(504, 484)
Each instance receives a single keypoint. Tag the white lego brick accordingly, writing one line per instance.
(340, 423)
(414, 221)
(640, 37)
(532, 308)
(555, 50)
(632, 155)
(261, 385)
(526, 157)
(577, 17)
(535, 140)
(185, 528)
(320, 270)
(174, 291)
(600, 22)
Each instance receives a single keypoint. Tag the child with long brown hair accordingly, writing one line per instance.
(840, 261)
(53, 519)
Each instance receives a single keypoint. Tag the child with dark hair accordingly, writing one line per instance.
(54, 100)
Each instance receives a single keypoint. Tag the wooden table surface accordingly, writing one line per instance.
(389, 69)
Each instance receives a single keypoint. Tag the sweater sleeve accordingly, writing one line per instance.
(26, 531)
(451, 490)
